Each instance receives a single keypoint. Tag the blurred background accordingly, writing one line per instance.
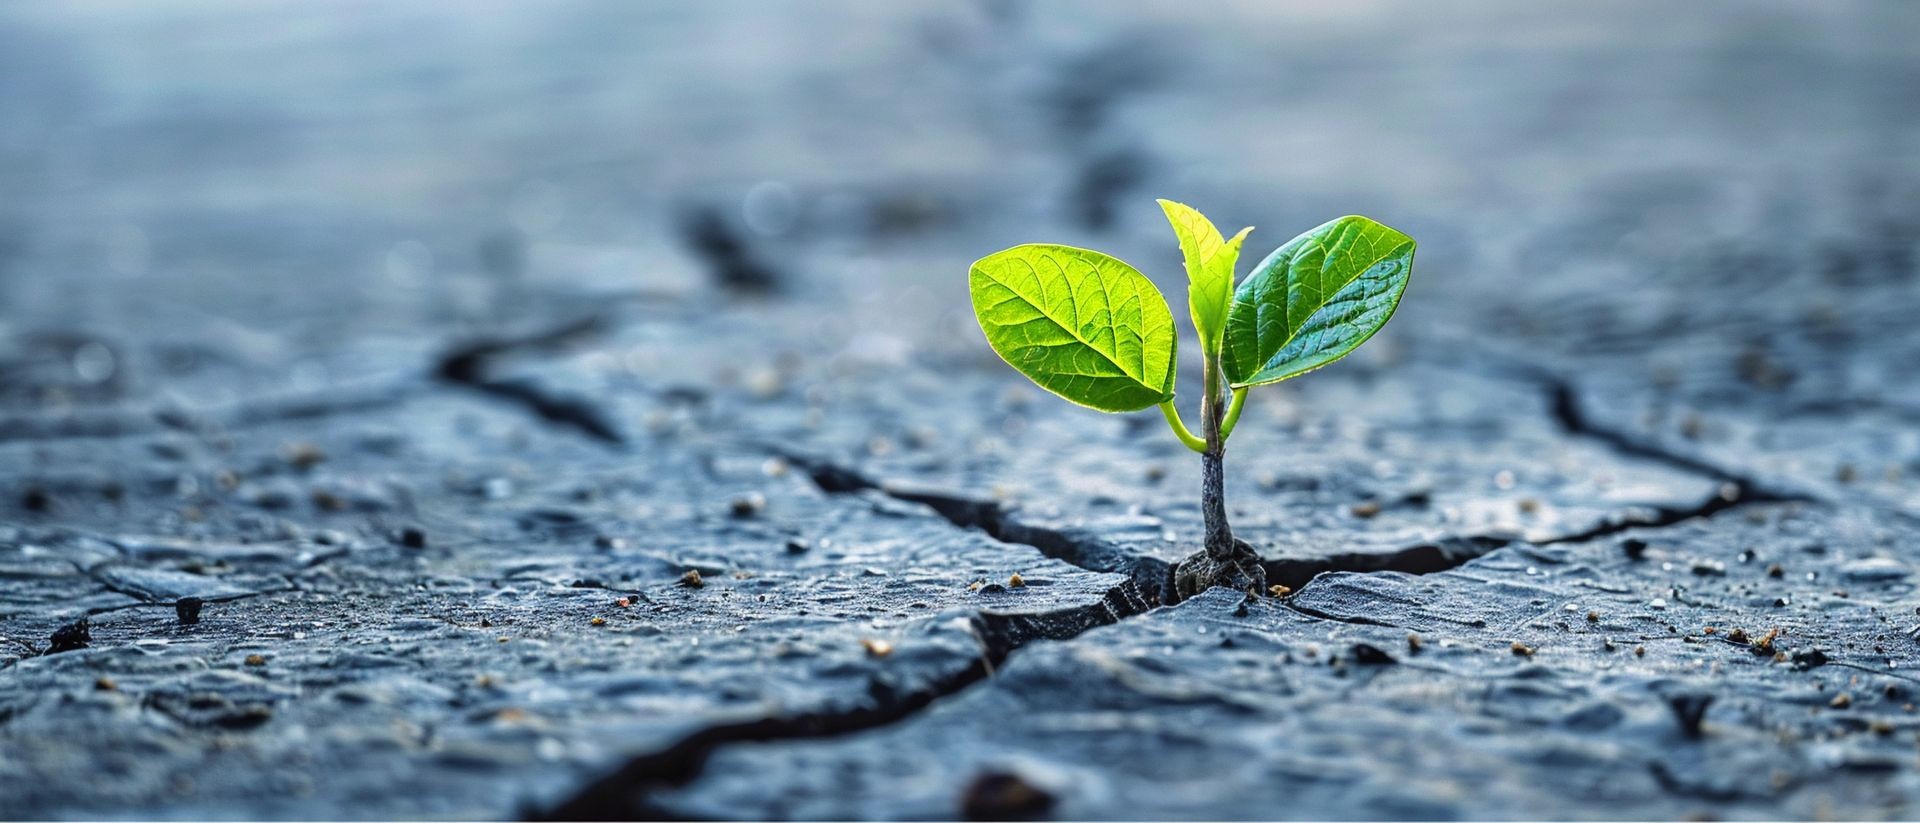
(301, 177)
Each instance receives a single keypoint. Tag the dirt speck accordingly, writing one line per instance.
(1004, 796)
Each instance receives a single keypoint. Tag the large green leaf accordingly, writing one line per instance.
(1315, 299)
(1210, 259)
(1083, 325)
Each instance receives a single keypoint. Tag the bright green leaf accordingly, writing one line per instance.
(1315, 299)
(1210, 260)
(1083, 325)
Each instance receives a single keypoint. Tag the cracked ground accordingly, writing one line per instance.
(574, 411)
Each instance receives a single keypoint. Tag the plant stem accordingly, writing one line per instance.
(1180, 429)
(1233, 412)
(1213, 493)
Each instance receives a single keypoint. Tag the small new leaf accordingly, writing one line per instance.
(1210, 260)
(1081, 324)
(1315, 300)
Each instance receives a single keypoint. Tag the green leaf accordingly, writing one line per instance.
(1315, 299)
(1083, 325)
(1210, 261)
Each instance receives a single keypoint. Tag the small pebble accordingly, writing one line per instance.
(105, 684)
(598, 621)
(256, 660)
(876, 648)
(1278, 590)
(413, 537)
(187, 610)
(75, 635)
(1841, 700)
(692, 579)
(748, 505)
(1366, 509)
(1016, 581)
(1004, 796)
(1522, 650)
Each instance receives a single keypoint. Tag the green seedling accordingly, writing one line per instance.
(1094, 330)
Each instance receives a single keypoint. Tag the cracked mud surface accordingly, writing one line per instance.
(491, 429)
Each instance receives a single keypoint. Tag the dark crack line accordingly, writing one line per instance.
(626, 793)
(469, 365)
(1150, 575)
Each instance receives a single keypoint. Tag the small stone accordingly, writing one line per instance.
(256, 660)
(598, 621)
(748, 505)
(1367, 654)
(502, 639)
(35, 499)
(1776, 571)
(1709, 568)
(1529, 505)
(303, 455)
(1809, 659)
(1639, 651)
(1881, 727)
(692, 579)
(1690, 710)
(976, 585)
(187, 610)
(1413, 644)
(105, 684)
(1634, 547)
(1366, 509)
(876, 647)
(1738, 636)
(797, 546)
(1522, 650)
(413, 537)
(1593, 617)
(623, 602)
(1004, 796)
(75, 635)
(1841, 700)
(1016, 581)
(1277, 590)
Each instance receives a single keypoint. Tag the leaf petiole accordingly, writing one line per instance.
(1233, 412)
(1179, 428)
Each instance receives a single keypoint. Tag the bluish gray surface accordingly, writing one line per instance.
(411, 341)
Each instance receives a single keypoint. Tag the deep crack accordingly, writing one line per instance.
(469, 365)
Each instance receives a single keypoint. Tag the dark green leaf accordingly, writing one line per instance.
(1315, 299)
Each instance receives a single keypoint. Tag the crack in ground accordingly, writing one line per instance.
(468, 365)
(1150, 575)
(624, 794)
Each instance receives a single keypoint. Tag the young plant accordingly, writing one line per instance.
(1094, 330)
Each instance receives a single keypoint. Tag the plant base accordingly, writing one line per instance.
(1240, 570)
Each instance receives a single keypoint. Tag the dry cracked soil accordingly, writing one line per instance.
(574, 411)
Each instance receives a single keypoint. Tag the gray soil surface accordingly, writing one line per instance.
(574, 411)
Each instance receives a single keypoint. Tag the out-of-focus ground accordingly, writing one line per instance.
(429, 349)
